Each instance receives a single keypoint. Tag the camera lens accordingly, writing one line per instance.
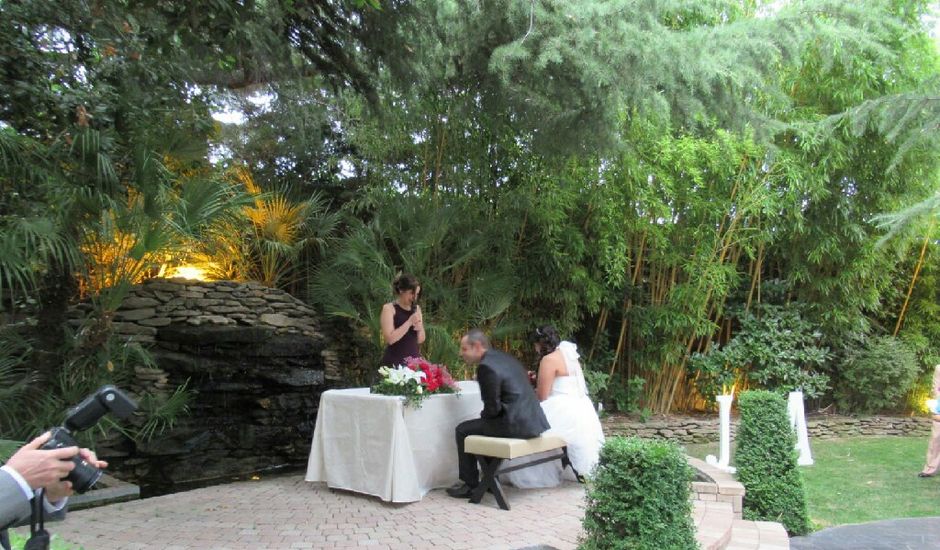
(84, 476)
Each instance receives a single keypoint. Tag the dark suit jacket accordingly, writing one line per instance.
(15, 508)
(509, 402)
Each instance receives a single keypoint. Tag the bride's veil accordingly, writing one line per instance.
(570, 352)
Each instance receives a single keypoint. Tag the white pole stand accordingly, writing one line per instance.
(724, 415)
(798, 422)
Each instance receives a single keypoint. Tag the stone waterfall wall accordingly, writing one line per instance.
(256, 359)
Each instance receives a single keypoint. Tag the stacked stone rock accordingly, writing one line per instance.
(253, 358)
(826, 427)
(703, 429)
(352, 357)
(162, 302)
(685, 429)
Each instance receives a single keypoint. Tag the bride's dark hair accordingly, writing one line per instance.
(547, 336)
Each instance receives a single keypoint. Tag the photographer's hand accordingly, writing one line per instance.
(61, 489)
(92, 459)
(39, 467)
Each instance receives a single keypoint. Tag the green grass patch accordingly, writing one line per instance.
(861, 479)
(7, 448)
(17, 542)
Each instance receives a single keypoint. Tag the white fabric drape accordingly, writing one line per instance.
(373, 444)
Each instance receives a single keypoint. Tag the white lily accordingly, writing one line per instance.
(401, 375)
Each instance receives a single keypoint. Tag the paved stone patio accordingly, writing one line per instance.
(287, 512)
(891, 534)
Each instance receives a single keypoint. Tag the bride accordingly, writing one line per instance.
(564, 398)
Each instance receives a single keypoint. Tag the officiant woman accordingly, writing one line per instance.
(401, 322)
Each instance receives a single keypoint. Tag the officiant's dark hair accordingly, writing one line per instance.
(403, 282)
(547, 336)
(475, 335)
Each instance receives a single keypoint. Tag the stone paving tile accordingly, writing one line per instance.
(892, 534)
(289, 513)
(758, 535)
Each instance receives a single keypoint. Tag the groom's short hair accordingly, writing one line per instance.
(475, 335)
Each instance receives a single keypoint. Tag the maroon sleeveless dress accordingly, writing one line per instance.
(406, 346)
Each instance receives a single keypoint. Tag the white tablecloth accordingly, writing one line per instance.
(373, 444)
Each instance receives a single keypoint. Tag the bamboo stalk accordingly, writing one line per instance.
(917, 268)
(639, 258)
(440, 154)
(424, 161)
(601, 326)
(756, 266)
(622, 343)
(620, 338)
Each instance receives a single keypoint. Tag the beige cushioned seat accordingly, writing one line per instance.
(508, 448)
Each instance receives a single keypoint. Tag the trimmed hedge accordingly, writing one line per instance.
(639, 498)
(766, 461)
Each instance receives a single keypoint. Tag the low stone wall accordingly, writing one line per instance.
(704, 429)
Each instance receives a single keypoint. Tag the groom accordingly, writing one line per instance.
(510, 407)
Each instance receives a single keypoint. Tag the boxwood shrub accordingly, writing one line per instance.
(766, 461)
(639, 497)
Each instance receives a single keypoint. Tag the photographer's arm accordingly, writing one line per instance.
(14, 502)
(29, 469)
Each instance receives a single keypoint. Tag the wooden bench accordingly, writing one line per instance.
(490, 452)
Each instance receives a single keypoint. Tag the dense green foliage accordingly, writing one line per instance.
(775, 348)
(639, 497)
(647, 177)
(766, 461)
(876, 376)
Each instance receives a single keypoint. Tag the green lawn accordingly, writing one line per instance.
(17, 541)
(863, 479)
(7, 448)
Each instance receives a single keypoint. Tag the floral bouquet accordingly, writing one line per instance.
(415, 380)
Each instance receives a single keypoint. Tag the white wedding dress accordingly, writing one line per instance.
(572, 417)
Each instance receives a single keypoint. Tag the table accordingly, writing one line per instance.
(376, 445)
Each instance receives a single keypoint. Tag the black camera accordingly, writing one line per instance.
(85, 415)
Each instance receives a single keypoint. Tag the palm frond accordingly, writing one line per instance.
(203, 203)
(15, 378)
(27, 247)
(162, 412)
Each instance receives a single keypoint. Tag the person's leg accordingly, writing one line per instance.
(933, 451)
(467, 463)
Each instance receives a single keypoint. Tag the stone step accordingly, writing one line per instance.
(758, 535)
(108, 490)
(713, 523)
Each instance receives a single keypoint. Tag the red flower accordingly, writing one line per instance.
(436, 377)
